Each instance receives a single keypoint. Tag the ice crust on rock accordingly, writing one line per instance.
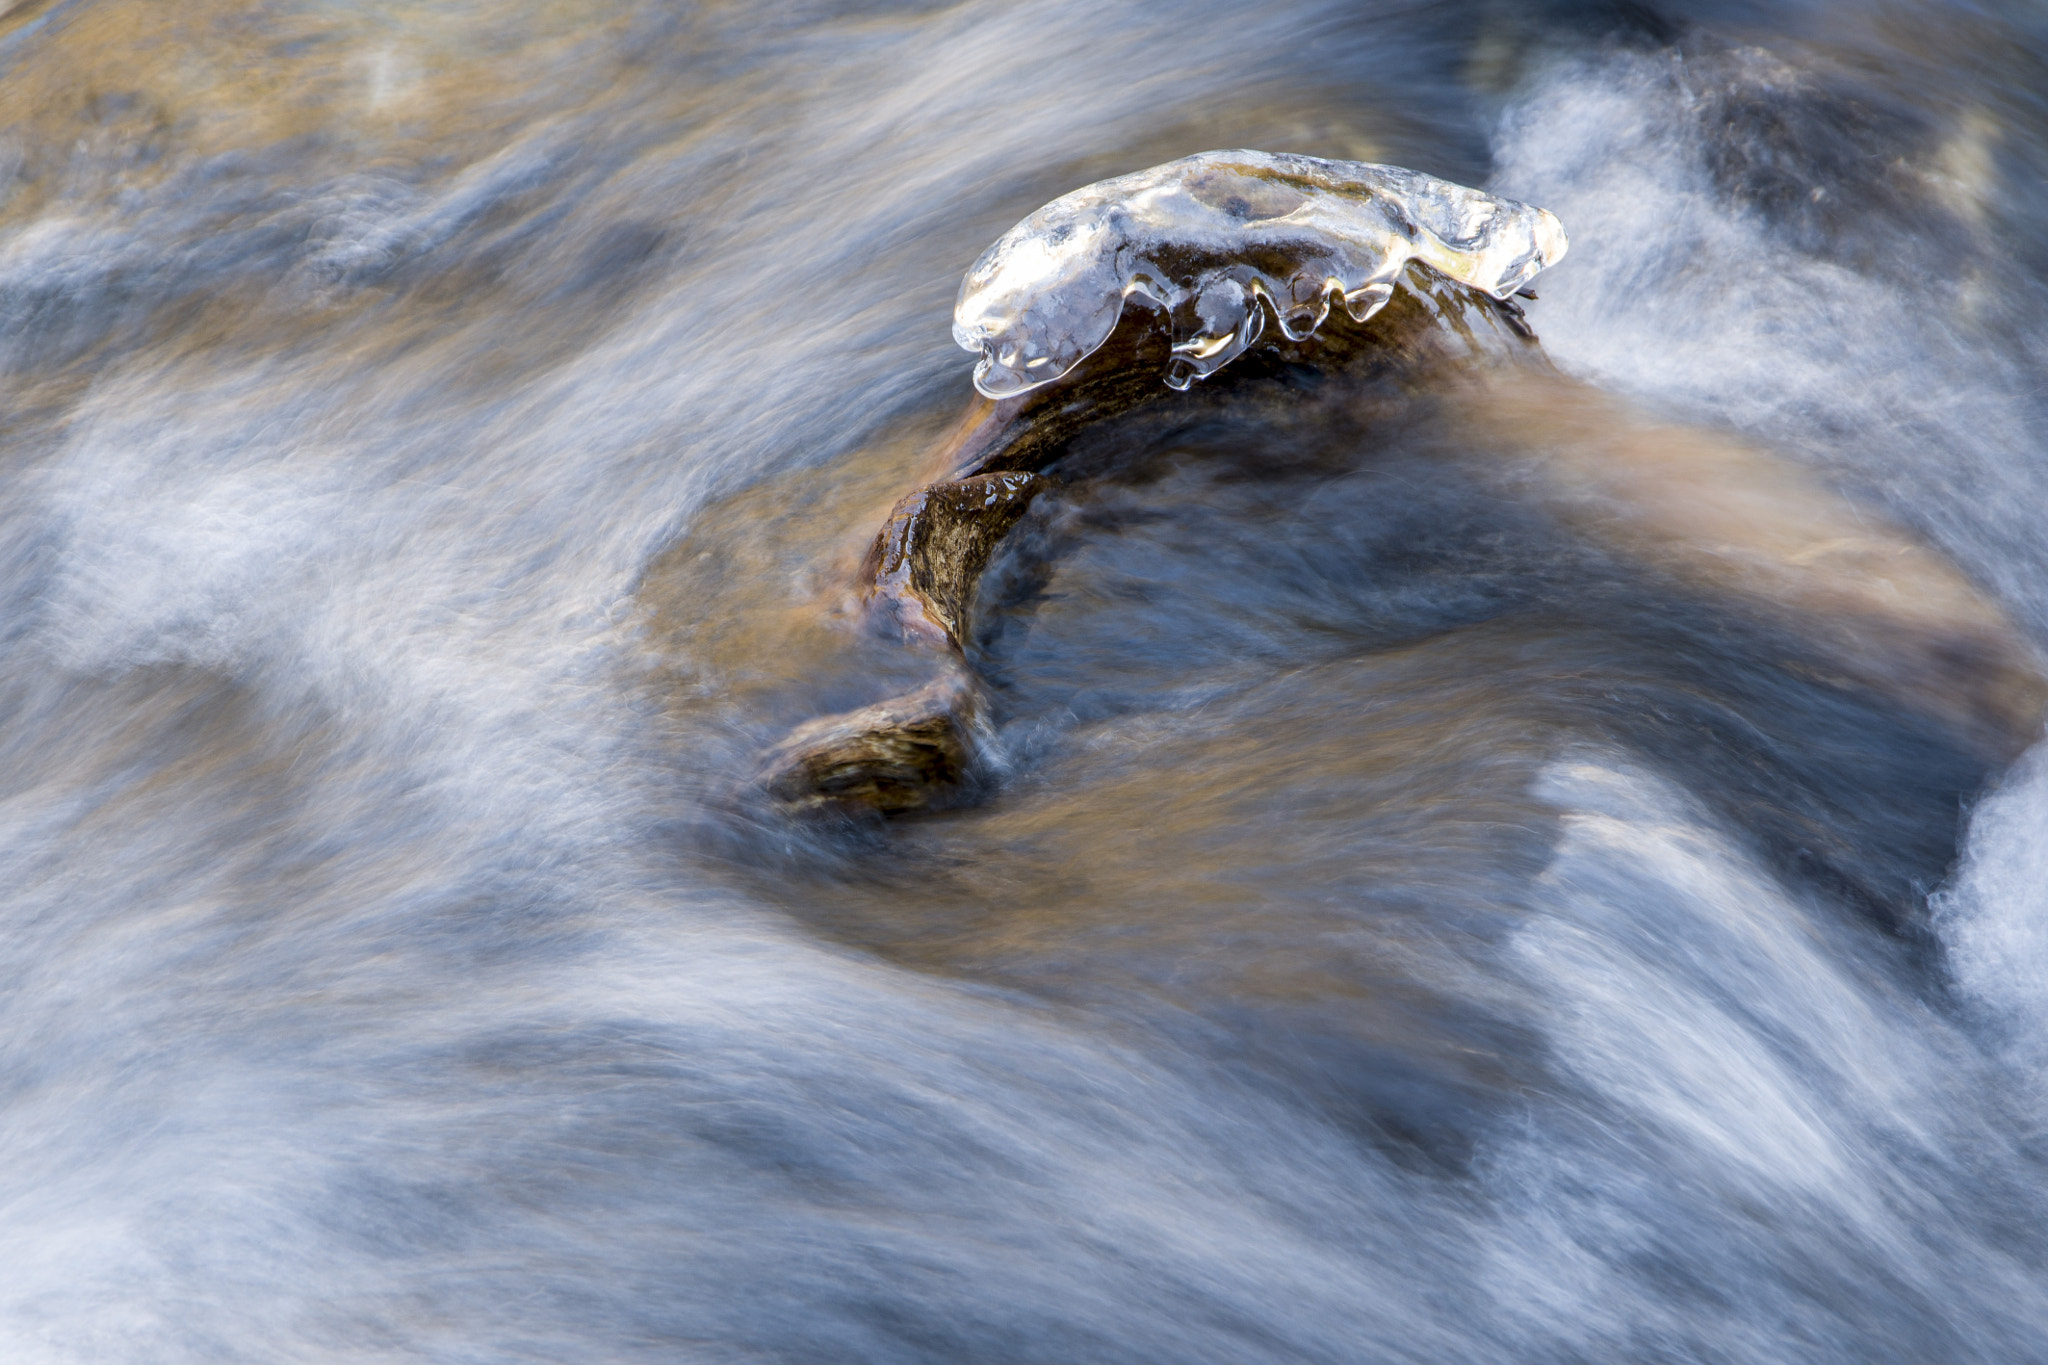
(1219, 240)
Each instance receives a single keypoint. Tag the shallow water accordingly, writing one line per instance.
(1521, 870)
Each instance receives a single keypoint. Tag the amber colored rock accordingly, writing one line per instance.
(916, 752)
(928, 559)
(909, 753)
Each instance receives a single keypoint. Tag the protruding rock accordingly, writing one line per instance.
(1223, 242)
(909, 753)
(928, 558)
(1202, 250)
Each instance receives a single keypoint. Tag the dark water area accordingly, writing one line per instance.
(1546, 864)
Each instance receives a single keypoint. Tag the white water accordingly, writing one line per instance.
(376, 982)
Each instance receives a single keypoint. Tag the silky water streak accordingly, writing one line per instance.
(1213, 237)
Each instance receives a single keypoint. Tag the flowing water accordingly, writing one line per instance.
(1426, 906)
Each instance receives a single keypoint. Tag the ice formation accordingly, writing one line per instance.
(1212, 237)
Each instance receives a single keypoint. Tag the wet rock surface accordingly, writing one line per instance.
(922, 574)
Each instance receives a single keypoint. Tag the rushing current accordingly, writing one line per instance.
(1549, 872)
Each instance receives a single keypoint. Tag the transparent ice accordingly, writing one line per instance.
(1211, 237)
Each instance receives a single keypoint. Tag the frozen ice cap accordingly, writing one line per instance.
(1210, 237)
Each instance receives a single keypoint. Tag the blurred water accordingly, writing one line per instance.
(1415, 922)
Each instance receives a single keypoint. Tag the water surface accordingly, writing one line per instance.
(1474, 873)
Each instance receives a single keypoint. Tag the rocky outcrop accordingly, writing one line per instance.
(917, 751)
